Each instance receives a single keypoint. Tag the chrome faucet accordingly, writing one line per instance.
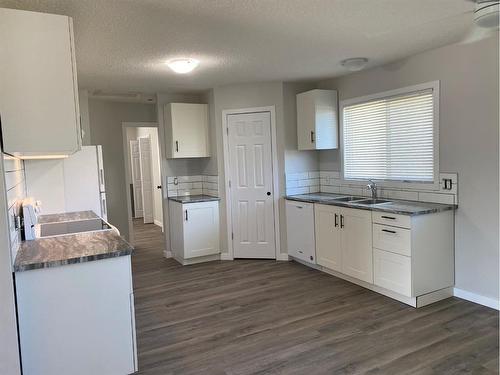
(373, 188)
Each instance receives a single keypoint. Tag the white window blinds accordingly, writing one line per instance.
(390, 138)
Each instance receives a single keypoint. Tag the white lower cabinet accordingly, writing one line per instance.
(356, 243)
(300, 230)
(344, 240)
(409, 258)
(392, 271)
(194, 231)
(92, 301)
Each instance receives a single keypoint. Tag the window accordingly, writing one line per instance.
(392, 136)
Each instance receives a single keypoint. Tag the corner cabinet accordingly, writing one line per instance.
(317, 120)
(39, 96)
(186, 129)
(194, 231)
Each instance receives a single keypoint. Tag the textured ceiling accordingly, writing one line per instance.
(122, 45)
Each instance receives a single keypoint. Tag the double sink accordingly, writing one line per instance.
(361, 200)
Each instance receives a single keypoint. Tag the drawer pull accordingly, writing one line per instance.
(389, 231)
(299, 207)
(336, 220)
(388, 217)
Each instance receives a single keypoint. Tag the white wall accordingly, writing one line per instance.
(106, 119)
(468, 144)
(83, 99)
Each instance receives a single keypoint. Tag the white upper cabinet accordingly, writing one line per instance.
(317, 120)
(39, 95)
(186, 129)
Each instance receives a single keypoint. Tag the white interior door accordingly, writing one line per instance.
(146, 179)
(251, 176)
(135, 161)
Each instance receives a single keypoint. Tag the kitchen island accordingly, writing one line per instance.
(75, 300)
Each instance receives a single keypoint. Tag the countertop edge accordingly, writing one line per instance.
(200, 200)
(75, 260)
(424, 211)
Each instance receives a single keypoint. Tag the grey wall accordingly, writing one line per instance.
(106, 119)
(468, 144)
(83, 101)
(247, 96)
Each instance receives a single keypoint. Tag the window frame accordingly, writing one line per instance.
(402, 184)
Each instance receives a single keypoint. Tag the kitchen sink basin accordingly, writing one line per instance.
(372, 201)
(347, 199)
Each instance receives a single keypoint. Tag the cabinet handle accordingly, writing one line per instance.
(342, 221)
(336, 220)
(312, 136)
(388, 217)
(187, 215)
(389, 231)
(176, 146)
(299, 206)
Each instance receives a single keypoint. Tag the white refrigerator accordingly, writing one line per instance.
(72, 184)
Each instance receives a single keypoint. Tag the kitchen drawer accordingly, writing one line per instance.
(392, 271)
(395, 240)
(403, 221)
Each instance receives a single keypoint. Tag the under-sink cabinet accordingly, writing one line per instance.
(194, 231)
(344, 240)
(406, 257)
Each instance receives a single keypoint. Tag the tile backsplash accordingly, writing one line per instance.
(16, 191)
(330, 182)
(193, 185)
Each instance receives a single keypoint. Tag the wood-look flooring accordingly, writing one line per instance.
(267, 317)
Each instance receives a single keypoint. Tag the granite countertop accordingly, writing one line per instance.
(395, 206)
(69, 249)
(67, 216)
(193, 198)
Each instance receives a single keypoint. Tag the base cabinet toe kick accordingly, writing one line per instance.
(407, 258)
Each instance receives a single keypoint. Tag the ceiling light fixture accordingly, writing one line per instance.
(354, 64)
(183, 66)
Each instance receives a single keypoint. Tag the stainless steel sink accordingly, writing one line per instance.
(372, 202)
(348, 199)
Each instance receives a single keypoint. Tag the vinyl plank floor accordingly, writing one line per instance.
(252, 317)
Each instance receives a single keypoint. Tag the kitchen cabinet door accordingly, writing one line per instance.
(317, 120)
(39, 95)
(356, 243)
(187, 130)
(328, 234)
(300, 231)
(201, 229)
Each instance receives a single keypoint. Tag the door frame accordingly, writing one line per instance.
(126, 157)
(276, 181)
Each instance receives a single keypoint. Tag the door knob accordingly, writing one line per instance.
(158, 187)
(268, 193)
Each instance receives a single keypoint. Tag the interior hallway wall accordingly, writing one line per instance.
(106, 119)
(468, 143)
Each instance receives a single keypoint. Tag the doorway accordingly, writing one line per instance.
(143, 175)
(252, 186)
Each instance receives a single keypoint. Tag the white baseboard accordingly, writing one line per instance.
(159, 223)
(283, 257)
(167, 254)
(225, 256)
(476, 298)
